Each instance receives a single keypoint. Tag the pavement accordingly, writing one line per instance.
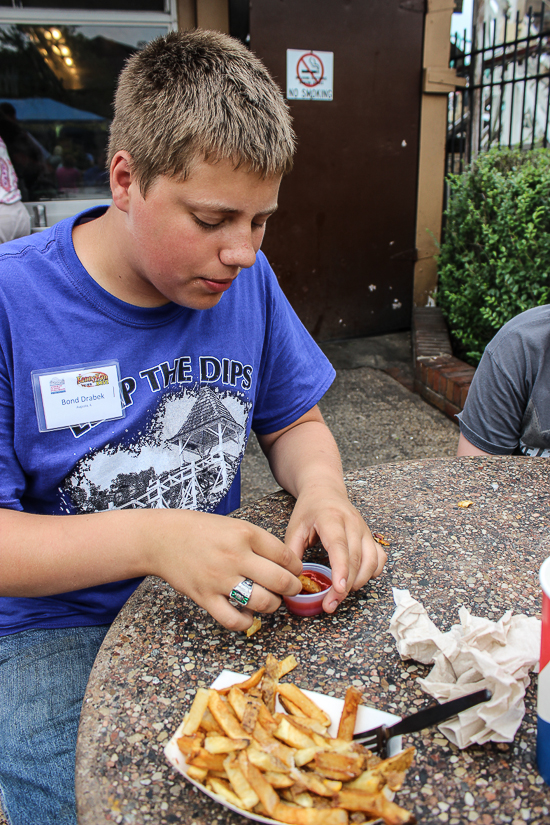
(374, 418)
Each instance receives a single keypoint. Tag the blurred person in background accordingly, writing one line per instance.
(8, 110)
(34, 180)
(67, 175)
(15, 221)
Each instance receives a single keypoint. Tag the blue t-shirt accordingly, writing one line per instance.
(193, 384)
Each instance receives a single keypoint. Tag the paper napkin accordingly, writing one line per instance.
(475, 654)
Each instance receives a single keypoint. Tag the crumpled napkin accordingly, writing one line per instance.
(475, 654)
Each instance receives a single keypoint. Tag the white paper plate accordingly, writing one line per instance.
(366, 718)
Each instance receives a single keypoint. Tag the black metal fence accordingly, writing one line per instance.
(506, 101)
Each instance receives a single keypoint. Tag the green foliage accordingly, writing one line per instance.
(495, 256)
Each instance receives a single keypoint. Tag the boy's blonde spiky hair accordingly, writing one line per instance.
(199, 95)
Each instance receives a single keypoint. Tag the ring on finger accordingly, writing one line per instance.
(240, 594)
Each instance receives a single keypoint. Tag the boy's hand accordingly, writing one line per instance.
(326, 514)
(305, 461)
(206, 556)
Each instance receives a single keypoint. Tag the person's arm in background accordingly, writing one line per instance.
(493, 416)
(305, 461)
(465, 448)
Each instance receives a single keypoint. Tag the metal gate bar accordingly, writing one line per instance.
(506, 100)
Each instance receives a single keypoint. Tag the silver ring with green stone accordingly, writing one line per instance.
(240, 594)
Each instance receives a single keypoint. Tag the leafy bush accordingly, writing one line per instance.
(495, 256)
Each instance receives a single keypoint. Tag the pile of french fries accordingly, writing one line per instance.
(285, 766)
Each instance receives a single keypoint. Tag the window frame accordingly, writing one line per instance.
(56, 209)
(80, 17)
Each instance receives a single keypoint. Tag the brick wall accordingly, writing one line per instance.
(440, 378)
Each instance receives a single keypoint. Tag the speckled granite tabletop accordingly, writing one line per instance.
(162, 647)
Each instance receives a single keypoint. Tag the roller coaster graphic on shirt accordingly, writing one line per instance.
(187, 459)
(543, 700)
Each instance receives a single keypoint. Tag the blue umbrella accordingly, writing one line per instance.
(44, 109)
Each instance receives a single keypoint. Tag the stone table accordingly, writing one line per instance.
(162, 647)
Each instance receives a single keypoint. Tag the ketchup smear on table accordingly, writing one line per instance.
(318, 578)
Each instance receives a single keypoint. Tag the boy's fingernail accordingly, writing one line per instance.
(332, 606)
(343, 584)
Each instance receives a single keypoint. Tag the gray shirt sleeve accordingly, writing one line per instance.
(493, 415)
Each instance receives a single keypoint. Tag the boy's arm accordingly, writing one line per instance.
(201, 555)
(305, 461)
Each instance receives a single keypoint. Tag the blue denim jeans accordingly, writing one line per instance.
(43, 676)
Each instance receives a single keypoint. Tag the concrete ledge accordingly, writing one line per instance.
(439, 377)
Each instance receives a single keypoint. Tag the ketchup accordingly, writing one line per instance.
(319, 578)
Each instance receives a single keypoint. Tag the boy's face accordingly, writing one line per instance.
(188, 240)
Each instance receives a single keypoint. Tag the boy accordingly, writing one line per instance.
(168, 287)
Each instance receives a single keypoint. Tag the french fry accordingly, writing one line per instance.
(223, 744)
(256, 713)
(311, 781)
(269, 682)
(250, 715)
(307, 725)
(303, 798)
(190, 744)
(308, 585)
(285, 765)
(352, 701)
(309, 816)
(402, 761)
(199, 774)
(291, 735)
(222, 713)
(222, 789)
(204, 759)
(374, 805)
(239, 783)
(290, 707)
(278, 780)
(200, 703)
(254, 627)
(304, 755)
(393, 814)
(272, 666)
(394, 779)
(286, 665)
(268, 797)
(209, 724)
(305, 704)
(337, 745)
(266, 718)
(339, 765)
(266, 761)
(321, 801)
(369, 781)
(238, 700)
(273, 746)
(252, 681)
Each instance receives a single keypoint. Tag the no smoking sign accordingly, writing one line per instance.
(309, 74)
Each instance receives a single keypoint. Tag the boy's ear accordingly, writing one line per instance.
(121, 178)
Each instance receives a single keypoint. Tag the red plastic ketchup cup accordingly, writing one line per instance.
(310, 604)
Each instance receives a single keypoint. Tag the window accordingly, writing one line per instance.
(58, 73)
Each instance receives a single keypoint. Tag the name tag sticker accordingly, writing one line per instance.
(76, 395)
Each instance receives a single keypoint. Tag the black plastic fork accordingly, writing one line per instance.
(376, 739)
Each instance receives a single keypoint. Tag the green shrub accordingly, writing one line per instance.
(495, 256)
